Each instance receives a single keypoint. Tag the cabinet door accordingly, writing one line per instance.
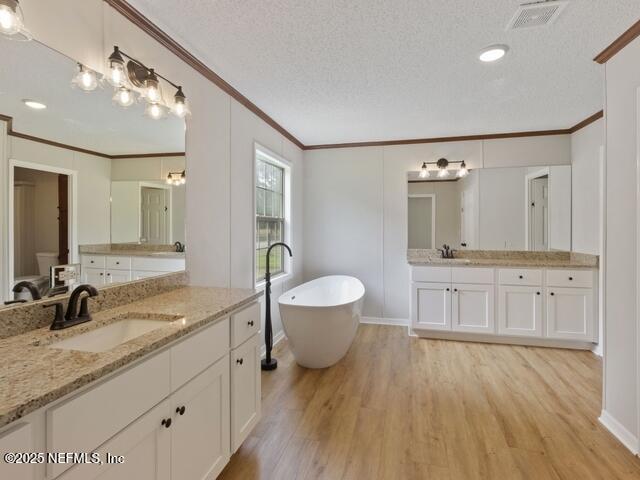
(200, 431)
(145, 446)
(520, 311)
(93, 276)
(18, 439)
(139, 275)
(118, 276)
(472, 308)
(570, 313)
(431, 306)
(245, 390)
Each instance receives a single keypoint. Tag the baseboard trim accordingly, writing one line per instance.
(277, 338)
(620, 432)
(403, 322)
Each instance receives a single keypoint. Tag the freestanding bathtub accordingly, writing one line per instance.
(320, 319)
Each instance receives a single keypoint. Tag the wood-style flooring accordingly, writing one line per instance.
(398, 408)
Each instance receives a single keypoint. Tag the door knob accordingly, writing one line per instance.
(552, 294)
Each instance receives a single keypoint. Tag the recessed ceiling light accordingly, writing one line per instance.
(493, 53)
(33, 104)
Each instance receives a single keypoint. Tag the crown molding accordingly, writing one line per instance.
(618, 44)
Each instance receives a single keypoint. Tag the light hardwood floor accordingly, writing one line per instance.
(400, 408)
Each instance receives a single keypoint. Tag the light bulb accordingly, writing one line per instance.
(443, 173)
(463, 172)
(11, 21)
(183, 178)
(116, 76)
(8, 20)
(424, 171)
(155, 111)
(85, 79)
(152, 87)
(169, 179)
(124, 97)
(180, 108)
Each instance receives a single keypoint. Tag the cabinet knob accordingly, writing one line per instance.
(455, 289)
(448, 289)
(101, 274)
(181, 410)
(552, 294)
(520, 277)
(240, 361)
(570, 278)
(91, 261)
(117, 263)
(250, 323)
(108, 274)
(537, 293)
(166, 422)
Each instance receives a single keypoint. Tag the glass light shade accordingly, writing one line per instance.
(424, 171)
(11, 21)
(152, 88)
(115, 65)
(180, 107)
(156, 111)
(86, 79)
(463, 172)
(124, 97)
(443, 173)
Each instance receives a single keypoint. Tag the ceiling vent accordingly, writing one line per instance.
(536, 14)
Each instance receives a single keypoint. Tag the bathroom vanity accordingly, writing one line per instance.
(172, 403)
(536, 298)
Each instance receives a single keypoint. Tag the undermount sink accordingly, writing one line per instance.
(110, 336)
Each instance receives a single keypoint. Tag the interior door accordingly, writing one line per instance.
(63, 219)
(154, 215)
(539, 214)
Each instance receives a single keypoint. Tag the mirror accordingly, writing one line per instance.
(88, 179)
(518, 208)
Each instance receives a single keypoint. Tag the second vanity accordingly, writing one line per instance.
(506, 297)
(172, 403)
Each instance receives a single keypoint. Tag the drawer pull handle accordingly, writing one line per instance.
(240, 361)
(181, 410)
(101, 274)
(455, 289)
(520, 277)
(570, 278)
(117, 263)
(537, 293)
(250, 323)
(552, 294)
(448, 289)
(166, 422)
(92, 261)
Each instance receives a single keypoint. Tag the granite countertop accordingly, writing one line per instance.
(34, 375)
(495, 258)
(133, 253)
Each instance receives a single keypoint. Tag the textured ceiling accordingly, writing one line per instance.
(361, 70)
(29, 70)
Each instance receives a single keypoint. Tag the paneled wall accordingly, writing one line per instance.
(355, 219)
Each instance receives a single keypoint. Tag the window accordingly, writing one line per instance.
(271, 210)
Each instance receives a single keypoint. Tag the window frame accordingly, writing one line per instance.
(265, 155)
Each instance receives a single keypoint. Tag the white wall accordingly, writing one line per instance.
(586, 180)
(620, 403)
(356, 208)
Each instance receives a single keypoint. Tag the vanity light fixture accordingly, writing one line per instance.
(115, 64)
(86, 79)
(493, 53)
(124, 97)
(424, 171)
(177, 178)
(33, 104)
(463, 172)
(12, 21)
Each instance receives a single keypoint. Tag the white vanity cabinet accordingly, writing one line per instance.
(177, 414)
(530, 303)
(110, 269)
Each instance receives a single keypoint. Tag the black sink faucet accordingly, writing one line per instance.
(179, 246)
(35, 293)
(73, 317)
(446, 251)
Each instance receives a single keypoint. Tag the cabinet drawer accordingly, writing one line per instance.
(118, 263)
(523, 276)
(244, 324)
(196, 353)
(472, 275)
(106, 409)
(95, 261)
(570, 278)
(157, 264)
(431, 274)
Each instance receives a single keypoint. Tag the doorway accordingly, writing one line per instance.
(538, 208)
(154, 213)
(41, 224)
(422, 221)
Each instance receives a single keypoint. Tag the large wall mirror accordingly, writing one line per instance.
(516, 208)
(89, 183)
